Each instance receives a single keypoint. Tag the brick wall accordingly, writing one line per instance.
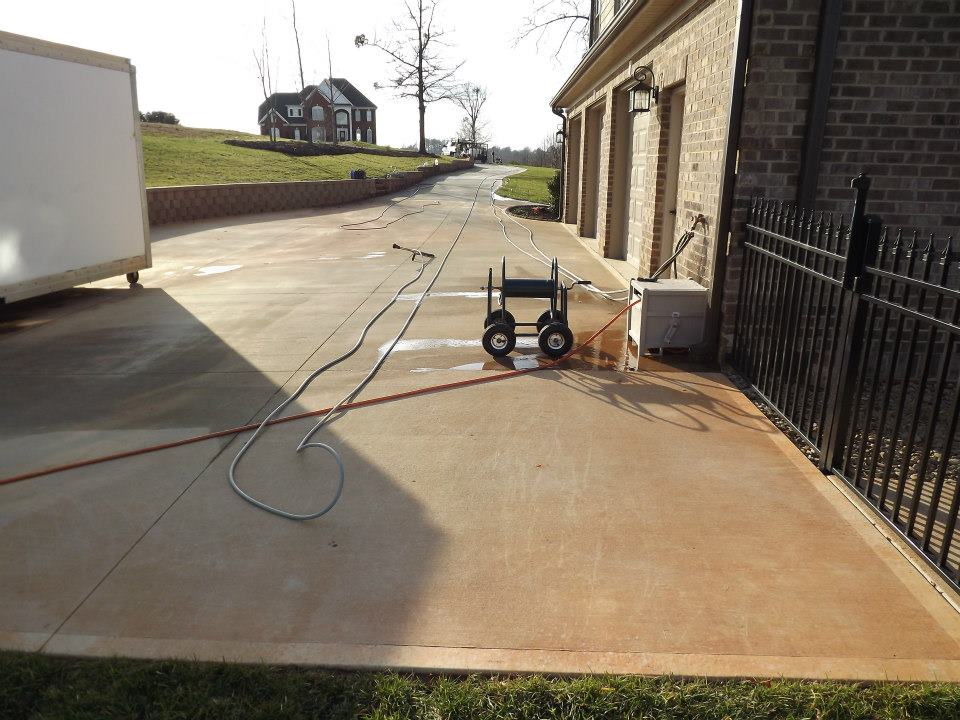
(199, 202)
(894, 113)
(776, 99)
(695, 52)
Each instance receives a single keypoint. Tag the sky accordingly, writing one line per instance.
(195, 58)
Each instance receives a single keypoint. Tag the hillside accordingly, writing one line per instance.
(175, 155)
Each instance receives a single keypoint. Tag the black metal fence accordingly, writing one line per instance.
(850, 330)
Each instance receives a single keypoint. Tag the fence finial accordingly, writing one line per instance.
(860, 182)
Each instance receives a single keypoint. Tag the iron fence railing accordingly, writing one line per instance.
(850, 331)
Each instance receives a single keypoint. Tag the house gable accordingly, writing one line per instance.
(274, 113)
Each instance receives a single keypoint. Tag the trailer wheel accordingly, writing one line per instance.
(555, 340)
(549, 317)
(504, 316)
(133, 278)
(499, 339)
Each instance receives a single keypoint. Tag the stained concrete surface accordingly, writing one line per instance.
(578, 519)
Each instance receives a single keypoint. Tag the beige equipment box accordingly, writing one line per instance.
(671, 314)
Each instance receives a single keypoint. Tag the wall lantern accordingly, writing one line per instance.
(645, 91)
(560, 136)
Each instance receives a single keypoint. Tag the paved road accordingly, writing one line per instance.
(583, 519)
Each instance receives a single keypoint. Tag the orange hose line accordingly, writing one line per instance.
(313, 413)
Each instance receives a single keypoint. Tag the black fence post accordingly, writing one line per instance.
(864, 235)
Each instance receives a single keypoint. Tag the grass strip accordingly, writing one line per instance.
(36, 686)
(530, 185)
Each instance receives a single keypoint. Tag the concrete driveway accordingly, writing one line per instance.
(581, 519)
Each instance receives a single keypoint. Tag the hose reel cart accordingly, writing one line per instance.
(500, 328)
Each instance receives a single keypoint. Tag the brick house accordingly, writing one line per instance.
(309, 114)
(788, 99)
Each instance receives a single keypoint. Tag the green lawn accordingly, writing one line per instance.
(175, 155)
(530, 185)
(36, 686)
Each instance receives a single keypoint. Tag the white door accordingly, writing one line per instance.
(601, 120)
(671, 206)
(296, 133)
(639, 123)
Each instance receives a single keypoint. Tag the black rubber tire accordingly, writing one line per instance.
(499, 339)
(133, 278)
(555, 340)
(500, 316)
(548, 317)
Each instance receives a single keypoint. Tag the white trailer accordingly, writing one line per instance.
(73, 207)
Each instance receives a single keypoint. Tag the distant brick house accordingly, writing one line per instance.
(309, 115)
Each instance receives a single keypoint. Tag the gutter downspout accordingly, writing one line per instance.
(828, 32)
(591, 25)
(563, 163)
(730, 162)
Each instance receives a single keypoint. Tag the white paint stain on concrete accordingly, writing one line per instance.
(464, 294)
(216, 270)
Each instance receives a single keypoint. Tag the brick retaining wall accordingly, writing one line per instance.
(186, 203)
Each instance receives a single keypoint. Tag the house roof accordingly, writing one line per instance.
(338, 97)
(637, 23)
(278, 102)
(356, 98)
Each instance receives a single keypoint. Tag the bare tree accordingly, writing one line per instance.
(551, 16)
(261, 57)
(471, 99)
(549, 152)
(419, 71)
(333, 114)
(296, 36)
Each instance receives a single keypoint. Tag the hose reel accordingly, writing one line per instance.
(500, 327)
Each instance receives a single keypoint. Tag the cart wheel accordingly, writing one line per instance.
(555, 340)
(549, 317)
(499, 339)
(133, 277)
(504, 316)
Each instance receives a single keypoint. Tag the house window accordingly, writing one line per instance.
(369, 135)
(343, 118)
(369, 115)
(318, 134)
(294, 111)
(317, 113)
(274, 133)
